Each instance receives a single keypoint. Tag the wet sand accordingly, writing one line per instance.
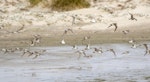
(59, 64)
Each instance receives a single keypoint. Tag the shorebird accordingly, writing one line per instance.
(2, 27)
(126, 52)
(20, 29)
(17, 31)
(81, 52)
(18, 49)
(86, 38)
(87, 47)
(73, 19)
(33, 53)
(63, 41)
(67, 30)
(37, 38)
(125, 32)
(115, 25)
(132, 41)
(134, 46)
(146, 49)
(25, 51)
(38, 53)
(5, 50)
(132, 17)
(30, 53)
(98, 50)
(112, 50)
(32, 43)
(75, 47)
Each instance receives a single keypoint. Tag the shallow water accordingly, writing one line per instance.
(61, 64)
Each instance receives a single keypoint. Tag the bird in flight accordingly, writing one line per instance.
(67, 30)
(63, 41)
(17, 31)
(87, 47)
(126, 52)
(125, 32)
(146, 49)
(98, 50)
(115, 25)
(112, 50)
(20, 29)
(132, 41)
(73, 19)
(81, 52)
(74, 47)
(134, 46)
(132, 17)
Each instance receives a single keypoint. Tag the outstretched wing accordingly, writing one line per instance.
(115, 24)
(113, 51)
(146, 48)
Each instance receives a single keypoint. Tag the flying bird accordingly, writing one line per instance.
(67, 30)
(81, 52)
(98, 50)
(32, 43)
(132, 17)
(134, 46)
(25, 51)
(132, 41)
(73, 19)
(112, 50)
(115, 25)
(87, 47)
(5, 50)
(74, 47)
(20, 29)
(38, 53)
(126, 52)
(146, 49)
(125, 32)
(17, 31)
(63, 41)
(86, 38)
(37, 38)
